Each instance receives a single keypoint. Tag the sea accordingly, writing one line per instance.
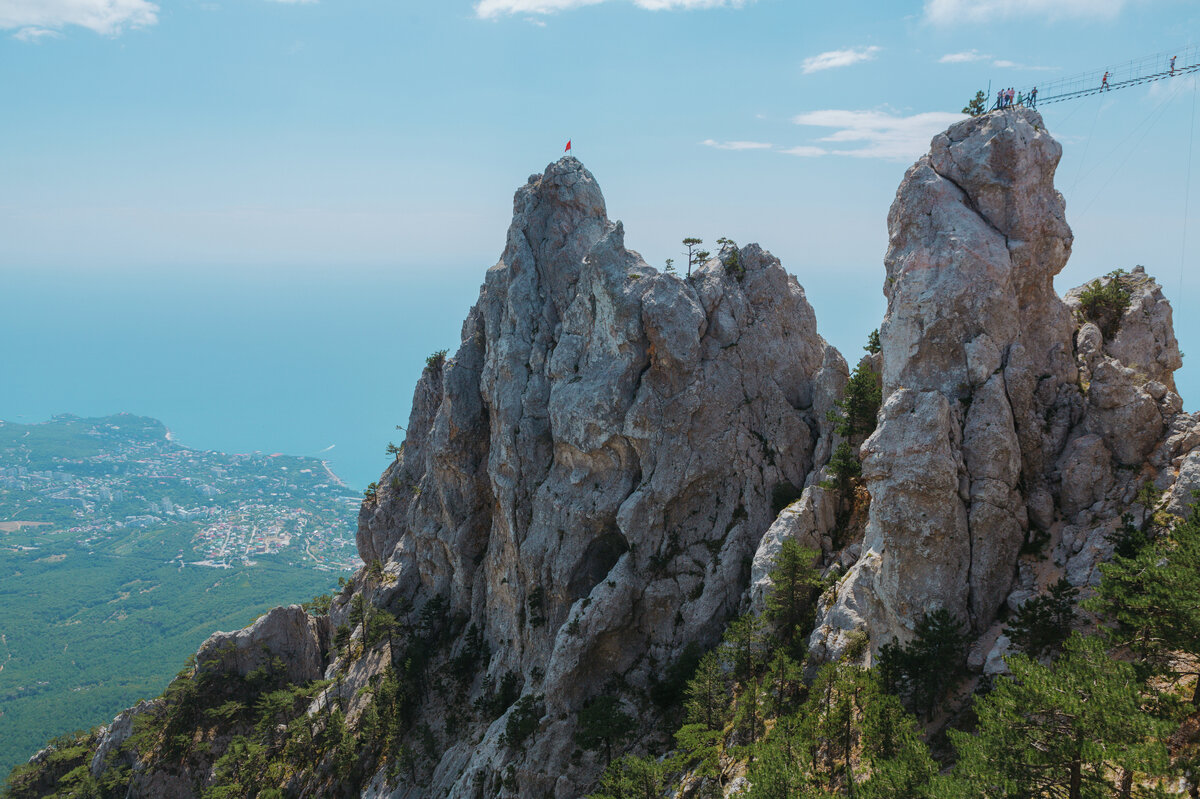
(303, 361)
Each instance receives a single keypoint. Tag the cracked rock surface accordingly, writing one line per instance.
(1006, 413)
(611, 438)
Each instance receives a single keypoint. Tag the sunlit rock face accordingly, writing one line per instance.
(589, 475)
(1004, 413)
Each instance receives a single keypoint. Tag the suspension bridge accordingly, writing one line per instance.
(1148, 69)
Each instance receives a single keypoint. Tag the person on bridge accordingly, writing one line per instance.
(1104, 82)
(1173, 64)
(1033, 98)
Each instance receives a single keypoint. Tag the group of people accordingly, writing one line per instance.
(1007, 98)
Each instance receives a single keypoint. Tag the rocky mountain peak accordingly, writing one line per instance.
(603, 473)
(587, 478)
(987, 424)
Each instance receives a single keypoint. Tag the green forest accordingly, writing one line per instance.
(1102, 703)
(99, 606)
(87, 634)
(1111, 712)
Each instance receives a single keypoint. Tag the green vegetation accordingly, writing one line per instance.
(844, 467)
(1096, 717)
(436, 360)
(858, 408)
(1071, 729)
(730, 258)
(873, 345)
(1044, 622)
(1151, 596)
(921, 671)
(977, 105)
(98, 613)
(694, 255)
(791, 605)
(1105, 300)
(602, 724)
(855, 417)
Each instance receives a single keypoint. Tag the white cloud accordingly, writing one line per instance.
(1006, 64)
(36, 34)
(494, 8)
(882, 134)
(737, 145)
(963, 58)
(839, 58)
(953, 12)
(107, 17)
(805, 151)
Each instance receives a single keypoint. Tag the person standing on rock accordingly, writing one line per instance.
(1033, 97)
(999, 99)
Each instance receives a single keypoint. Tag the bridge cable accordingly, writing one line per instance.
(1162, 111)
(1187, 189)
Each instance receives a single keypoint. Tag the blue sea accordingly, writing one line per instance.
(309, 361)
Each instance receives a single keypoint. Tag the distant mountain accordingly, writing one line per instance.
(120, 550)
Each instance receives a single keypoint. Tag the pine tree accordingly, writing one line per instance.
(780, 771)
(977, 105)
(603, 723)
(745, 646)
(789, 605)
(850, 738)
(1044, 622)
(631, 777)
(1064, 730)
(1154, 598)
(707, 694)
(921, 671)
(857, 409)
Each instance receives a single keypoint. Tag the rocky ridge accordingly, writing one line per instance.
(588, 477)
(602, 473)
(1010, 420)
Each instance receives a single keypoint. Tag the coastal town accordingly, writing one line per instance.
(97, 482)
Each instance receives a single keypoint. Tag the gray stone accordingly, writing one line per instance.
(300, 641)
(612, 439)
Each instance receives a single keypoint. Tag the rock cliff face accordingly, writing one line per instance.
(587, 478)
(1005, 410)
(604, 470)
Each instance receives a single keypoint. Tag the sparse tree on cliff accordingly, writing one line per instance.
(977, 105)
(691, 243)
(603, 723)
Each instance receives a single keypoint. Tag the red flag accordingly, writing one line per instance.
(568, 148)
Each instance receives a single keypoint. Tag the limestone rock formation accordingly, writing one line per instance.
(588, 477)
(1007, 412)
(289, 635)
(602, 473)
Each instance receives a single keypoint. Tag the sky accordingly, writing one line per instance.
(254, 219)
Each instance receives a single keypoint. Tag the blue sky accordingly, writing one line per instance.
(229, 146)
